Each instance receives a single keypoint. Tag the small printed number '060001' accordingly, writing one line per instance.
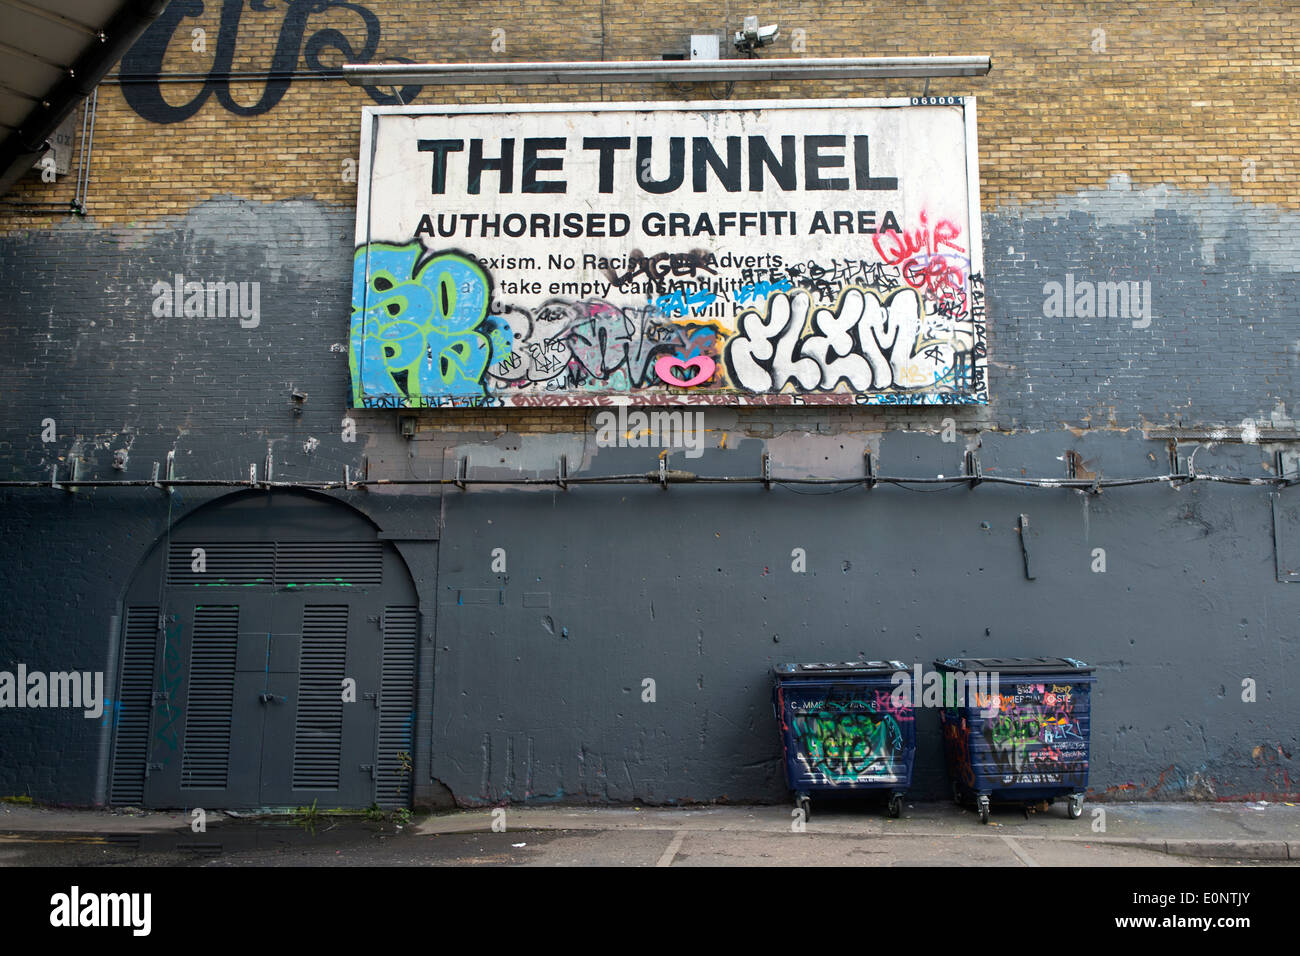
(938, 100)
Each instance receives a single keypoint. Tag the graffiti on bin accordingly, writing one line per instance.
(956, 743)
(847, 741)
(1034, 735)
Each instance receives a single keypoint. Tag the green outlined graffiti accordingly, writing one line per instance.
(847, 740)
(418, 325)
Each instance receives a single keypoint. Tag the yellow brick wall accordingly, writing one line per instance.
(1184, 93)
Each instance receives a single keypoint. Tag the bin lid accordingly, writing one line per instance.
(1015, 665)
(841, 669)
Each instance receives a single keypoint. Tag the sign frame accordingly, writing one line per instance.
(974, 366)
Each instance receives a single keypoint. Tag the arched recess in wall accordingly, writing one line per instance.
(269, 646)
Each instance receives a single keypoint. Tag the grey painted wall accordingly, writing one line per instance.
(693, 586)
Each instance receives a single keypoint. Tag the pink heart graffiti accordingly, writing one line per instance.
(666, 363)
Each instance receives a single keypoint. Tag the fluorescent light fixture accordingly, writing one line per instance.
(664, 71)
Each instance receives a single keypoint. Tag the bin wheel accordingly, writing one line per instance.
(983, 804)
(896, 805)
(1075, 808)
(804, 804)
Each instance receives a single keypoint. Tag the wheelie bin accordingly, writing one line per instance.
(1026, 740)
(842, 732)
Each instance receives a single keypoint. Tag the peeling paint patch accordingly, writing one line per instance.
(1273, 233)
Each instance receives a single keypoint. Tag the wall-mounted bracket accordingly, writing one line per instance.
(1022, 528)
(870, 469)
(78, 468)
(562, 473)
(462, 472)
(167, 475)
(767, 472)
(1288, 467)
(1177, 464)
(1285, 562)
(974, 472)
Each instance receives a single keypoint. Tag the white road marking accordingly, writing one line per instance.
(673, 847)
(1024, 857)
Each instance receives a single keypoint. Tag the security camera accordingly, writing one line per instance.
(752, 36)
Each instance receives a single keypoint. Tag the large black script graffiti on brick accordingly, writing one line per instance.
(142, 65)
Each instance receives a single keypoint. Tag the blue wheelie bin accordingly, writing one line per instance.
(1024, 741)
(841, 732)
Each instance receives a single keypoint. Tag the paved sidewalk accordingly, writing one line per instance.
(1222, 831)
(1250, 831)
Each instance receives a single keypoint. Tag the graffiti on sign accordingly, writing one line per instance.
(513, 271)
(420, 325)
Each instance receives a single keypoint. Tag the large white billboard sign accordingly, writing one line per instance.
(815, 252)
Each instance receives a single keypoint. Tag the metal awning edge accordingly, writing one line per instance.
(22, 148)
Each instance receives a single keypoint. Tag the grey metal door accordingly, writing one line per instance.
(315, 745)
(283, 671)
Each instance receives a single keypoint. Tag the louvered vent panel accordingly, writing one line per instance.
(211, 698)
(324, 564)
(318, 731)
(134, 702)
(397, 708)
(224, 564)
(292, 564)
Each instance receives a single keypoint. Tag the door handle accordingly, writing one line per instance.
(269, 698)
